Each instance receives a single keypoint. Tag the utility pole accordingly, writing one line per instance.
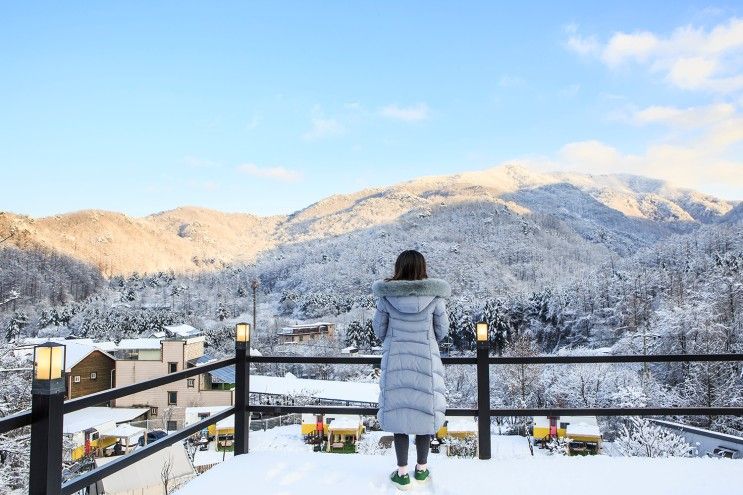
(254, 285)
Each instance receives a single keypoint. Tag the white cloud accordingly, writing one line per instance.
(411, 113)
(700, 165)
(274, 173)
(691, 117)
(690, 58)
(322, 128)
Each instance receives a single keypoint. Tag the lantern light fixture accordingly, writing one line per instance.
(482, 332)
(242, 333)
(49, 368)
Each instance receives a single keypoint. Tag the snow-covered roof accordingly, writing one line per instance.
(345, 422)
(462, 424)
(699, 431)
(544, 422)
(290, 385)
(124, 431)
(147, 473)
(93, 417)
(131, 344)
(107, 346)
(76, 352)
(192, 415)
(75, 349)
(182, 330)
(582, 429)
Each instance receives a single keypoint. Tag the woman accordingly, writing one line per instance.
(410, 320)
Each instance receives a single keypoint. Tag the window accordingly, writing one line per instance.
(204, 415)
(172, 367)
(172, 425)
(564, 426)
(191, 382)
(172, 398)
(153, 412)
(77, 378)
(93, 375)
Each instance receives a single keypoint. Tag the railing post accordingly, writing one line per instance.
(47, 417)
(242, 388)
(483, 392)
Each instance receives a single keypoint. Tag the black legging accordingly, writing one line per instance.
(422, 446)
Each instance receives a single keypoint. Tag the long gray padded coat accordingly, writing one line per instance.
(410, 319)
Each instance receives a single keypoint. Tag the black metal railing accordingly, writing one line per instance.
(41, 416)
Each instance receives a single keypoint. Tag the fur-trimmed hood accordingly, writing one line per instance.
(427, 287)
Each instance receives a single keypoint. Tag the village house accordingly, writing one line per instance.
(92, 430)
(582, 431)
(145, 359)
(708, 443)
(88, 367)
(294, 334)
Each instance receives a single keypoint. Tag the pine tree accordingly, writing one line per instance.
(17, 322)
(354, 334)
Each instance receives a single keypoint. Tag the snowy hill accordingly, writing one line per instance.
(618, 212)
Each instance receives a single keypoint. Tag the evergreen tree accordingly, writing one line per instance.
(17, 323)
(355, 334)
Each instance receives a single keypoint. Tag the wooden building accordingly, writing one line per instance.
(306, 332)
(88, 369)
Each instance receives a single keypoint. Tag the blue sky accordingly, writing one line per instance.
(265, 107)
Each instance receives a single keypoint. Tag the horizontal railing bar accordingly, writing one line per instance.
(15, 421)
(631, 358)
(107, 469)
(580, 411)
(364, 411)
(621, 411)
(119, 392)
(624, 358)
(344, 360)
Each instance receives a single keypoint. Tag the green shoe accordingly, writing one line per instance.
(400, 482)
(422, 476)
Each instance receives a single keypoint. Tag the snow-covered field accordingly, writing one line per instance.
(280, 464)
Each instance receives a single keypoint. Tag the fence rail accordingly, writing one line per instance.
(46, 415)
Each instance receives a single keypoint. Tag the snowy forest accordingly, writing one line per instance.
(543, 286)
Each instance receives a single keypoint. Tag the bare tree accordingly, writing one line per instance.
(165, 475)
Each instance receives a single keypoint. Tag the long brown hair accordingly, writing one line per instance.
(410, 265)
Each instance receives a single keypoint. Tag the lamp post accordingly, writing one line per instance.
(483, 390)
(242, 387)
(47, 399)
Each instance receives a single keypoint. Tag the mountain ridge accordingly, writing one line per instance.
(628, 210)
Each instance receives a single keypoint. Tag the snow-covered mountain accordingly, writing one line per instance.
(617, 212)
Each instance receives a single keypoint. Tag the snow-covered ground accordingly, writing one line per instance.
(308, 473)
(280, 463)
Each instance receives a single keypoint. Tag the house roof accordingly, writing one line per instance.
(680, 427)
(463, 424)
(182, 330)
(147, 472)
(125, 431)
(94, 417)
(345, 422)
(149, 343)
(75, 349)
(291, 385)
(544, 422)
